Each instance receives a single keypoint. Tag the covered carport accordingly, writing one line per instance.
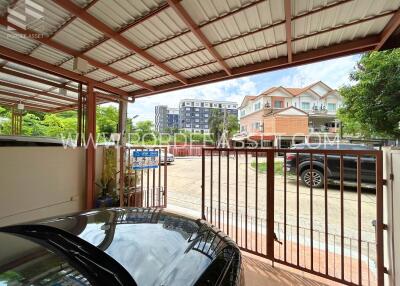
(74, 54)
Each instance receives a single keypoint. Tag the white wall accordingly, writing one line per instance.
(38, 182)
(392, 216)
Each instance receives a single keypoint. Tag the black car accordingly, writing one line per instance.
(333, 165)
(118, 246)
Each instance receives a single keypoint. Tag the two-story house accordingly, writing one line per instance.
(284, 115)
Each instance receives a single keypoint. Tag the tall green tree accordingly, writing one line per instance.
(107, 119)
(217, 123)
(372, 104)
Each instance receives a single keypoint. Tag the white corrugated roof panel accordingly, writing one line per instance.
(182, 45)
(16, 42)
(116, 82)
(116, 14)
(53, 17)
(191, 60)
(252, 42)
(99, 75)
(78, 35)
(108, 51)
(339, 15)
(131, 63)
(161, 80)
(341, 35)
(202, 70)
(257, 56)
(130, 88)
(48, 54)
(250, 19)
(147, 73)
(162, 26)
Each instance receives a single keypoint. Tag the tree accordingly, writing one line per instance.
(216, 124)
(142, 128)
(107, 119)
(372, 105)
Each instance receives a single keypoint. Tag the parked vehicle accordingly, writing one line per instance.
(118, 246)
(170, 158)
(333, 165)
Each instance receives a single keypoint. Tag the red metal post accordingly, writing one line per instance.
(270, 204)
(90, 146)
(379, 219)
(79, 138)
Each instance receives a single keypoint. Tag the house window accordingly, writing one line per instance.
(331, 107)
(305, 105)
(205, 115)
(197, 109)
(187, 108)
(257, 106)
(242, 112)
(197, 104)
(278, 104)
(243, 128)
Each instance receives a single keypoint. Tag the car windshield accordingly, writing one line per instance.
(25, 262)
(43, 254)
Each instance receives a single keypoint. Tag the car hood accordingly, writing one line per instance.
(156, 247)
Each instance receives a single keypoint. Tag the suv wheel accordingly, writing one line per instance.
(317, 178)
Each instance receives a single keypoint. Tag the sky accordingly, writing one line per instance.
(334, 72)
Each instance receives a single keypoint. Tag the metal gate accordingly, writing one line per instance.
(333, 231)
(144, 186)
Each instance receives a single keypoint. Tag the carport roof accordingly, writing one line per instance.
(136, 48)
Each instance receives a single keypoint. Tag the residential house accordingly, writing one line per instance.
(291, 115)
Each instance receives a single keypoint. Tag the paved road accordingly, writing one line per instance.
(184, 193)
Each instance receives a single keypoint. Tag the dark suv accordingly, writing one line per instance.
(333, 165)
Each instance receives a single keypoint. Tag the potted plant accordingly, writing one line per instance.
(108, 179)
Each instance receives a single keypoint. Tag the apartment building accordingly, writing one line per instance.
(306, 114)
(165, 118)
(194, 113)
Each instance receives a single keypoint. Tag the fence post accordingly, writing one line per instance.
(270, 204)
(379, 219)
(203, 166)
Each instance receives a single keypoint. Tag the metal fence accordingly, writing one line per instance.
(144, 187)
(270, 213)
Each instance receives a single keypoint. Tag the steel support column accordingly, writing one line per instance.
(79, 127)
(90, 146)
(123, 110)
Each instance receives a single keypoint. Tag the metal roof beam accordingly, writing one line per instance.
(391, 26)
(19, 74)
(288, 28)
(32, 90)
(47, 41)
(338, 50)
(94, 22)
(181, 12)
(36, 63)
(25, 97)
(43, 108)
(27, 107)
